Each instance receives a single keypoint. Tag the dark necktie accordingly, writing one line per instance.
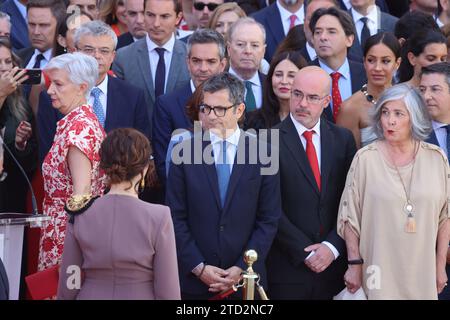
(365, 32)
(312, 156)
(160, 73)
(448, 140)
(250, 102)
(39, 58)
(336, 94)
(223, 172)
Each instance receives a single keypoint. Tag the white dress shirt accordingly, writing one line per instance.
(372, 21)
(286, 16)
(441, 134)
(256, 86)
(316, 141)
(103, 86)
(345, 81)
(47, 56)
(154, 57)
(232, 145)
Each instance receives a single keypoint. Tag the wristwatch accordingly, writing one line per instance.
(355, 261)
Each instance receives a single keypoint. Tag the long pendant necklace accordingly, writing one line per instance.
(408, 207)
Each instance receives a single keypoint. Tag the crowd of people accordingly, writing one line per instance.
(170, 136)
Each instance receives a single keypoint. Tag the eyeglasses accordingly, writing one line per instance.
(201, 5)
(219, 111)
(310, 98)
(91, 51)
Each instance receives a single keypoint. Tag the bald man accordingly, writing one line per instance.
(308, 259)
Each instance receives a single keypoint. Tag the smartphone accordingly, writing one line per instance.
(34, 76)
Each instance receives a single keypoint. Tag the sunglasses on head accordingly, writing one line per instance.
(200, 6)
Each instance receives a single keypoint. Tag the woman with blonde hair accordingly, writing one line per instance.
(224, 16)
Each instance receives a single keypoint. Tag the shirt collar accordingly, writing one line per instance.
(168, 45)
(103, 86)
(344, 70)
(438, 125)
(285, 14)
(254, 80)
(192, 85)
(232, 139)
(301, 128)
(372, 15)
(311, 51)
(47, 54)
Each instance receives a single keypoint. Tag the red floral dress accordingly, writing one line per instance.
(79, 128)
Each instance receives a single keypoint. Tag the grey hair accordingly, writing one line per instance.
(418, 113)
(80, 67)
(227, 81)
(95, 28)
(203, 36)
(6, 16)
(245, 20)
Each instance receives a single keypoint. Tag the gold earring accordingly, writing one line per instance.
(142, 184)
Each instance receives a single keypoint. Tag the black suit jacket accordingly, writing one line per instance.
(125, 109)
(358, 79)
(124, 39)
(25, 55)
(309, 215)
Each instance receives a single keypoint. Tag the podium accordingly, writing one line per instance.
(11, 244)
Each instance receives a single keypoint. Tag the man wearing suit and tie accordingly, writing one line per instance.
(223, 204)
(156, 63)
(17, 11)
(116, 103)
(43, 18)
(333, 33)
(246, 45)
(435, 89)
(135, 23)
(206, 57)
(308, 258)
(278, 19)
(369, 20)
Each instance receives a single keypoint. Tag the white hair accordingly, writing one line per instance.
(95, 28)
(80, 67)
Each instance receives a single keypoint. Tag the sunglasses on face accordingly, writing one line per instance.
(200, 6)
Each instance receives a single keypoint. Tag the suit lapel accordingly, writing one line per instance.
(178, 59)
(326, 155)
(294, 145)
(211, 174)
(433, 139)
(111, 103)
(144, 65)
(274, 20)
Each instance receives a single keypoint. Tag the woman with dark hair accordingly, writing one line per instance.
(295, 40)
(381, 61)
(422, 49)
(66, 31)
(134, 255)
(16, 130)
(277, 91)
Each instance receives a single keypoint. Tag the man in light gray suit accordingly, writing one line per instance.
(156, 63)
(369, 20)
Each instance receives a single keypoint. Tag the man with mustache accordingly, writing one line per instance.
(308, 258)
(202, 10)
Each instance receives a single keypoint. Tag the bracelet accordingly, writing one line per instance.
(356, 261)
(201, 272)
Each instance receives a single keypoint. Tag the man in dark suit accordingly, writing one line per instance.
(206, 57)
(369, 20)
(135, 23)
(223, 204)
(43, 18)
(435, 89)
(156, 63)
(116, 103)
(308, 258)
(19, 30)
(246, 48)
(333, 33)
(278, 19)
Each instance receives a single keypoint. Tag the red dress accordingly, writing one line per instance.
(79, 128)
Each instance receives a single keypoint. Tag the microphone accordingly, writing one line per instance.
(33, 197)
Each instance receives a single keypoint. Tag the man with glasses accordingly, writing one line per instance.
(435, 89)
(308, 259)
(222, 204)
(202, 11)
(116, 103)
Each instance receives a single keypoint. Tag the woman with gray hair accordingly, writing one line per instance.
(393, 213)
(71, 168)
